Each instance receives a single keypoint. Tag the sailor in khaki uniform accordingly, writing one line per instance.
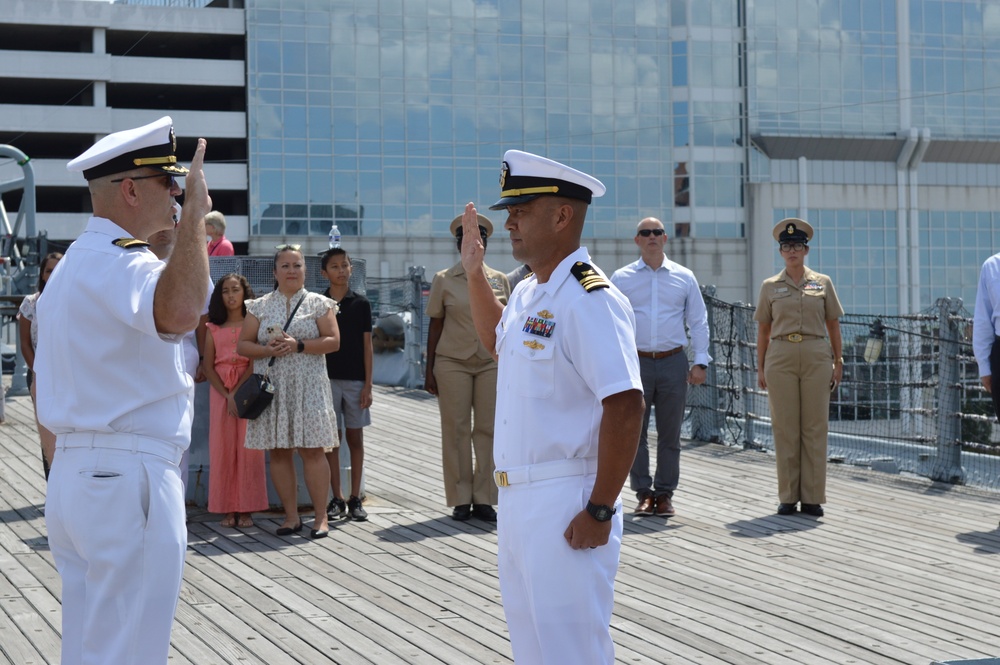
(462, 373)
(569, 410)
(113, 389)
(799, 363)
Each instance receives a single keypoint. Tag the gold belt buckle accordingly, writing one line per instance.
(795, 337)
(501, 478)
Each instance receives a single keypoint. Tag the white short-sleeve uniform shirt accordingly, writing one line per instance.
(101, 364)
(561, 351)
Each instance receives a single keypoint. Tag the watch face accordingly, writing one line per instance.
(603, 513)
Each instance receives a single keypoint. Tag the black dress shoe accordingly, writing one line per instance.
(461, 513)
(484, 511)
(316, 534)
(813, 509)
(289, 530)
(786, 508)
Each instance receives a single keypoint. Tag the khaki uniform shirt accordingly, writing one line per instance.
(798, 308)
(449, 300)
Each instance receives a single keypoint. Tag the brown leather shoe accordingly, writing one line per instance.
(664, 507)
(645, 506)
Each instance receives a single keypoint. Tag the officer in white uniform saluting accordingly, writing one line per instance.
(113, 389)
(568, 415)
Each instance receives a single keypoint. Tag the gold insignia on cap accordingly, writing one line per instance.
(533, 344)
(790, 229)
(546, 314)
(504, 172)
(589, 279)
(129, 243)
(173, 140)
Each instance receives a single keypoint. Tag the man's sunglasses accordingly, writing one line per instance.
(645, 233)
(170, 181)
(286, 248)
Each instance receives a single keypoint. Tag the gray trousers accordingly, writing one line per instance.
(664, 385)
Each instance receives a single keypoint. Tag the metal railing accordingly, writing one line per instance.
(917, 408)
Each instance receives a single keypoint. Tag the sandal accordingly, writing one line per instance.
(229, 521)
(245, 521)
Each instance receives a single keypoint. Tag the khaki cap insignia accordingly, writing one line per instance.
(129, 243)
(546, 314)
(589, 279)
(532, 344)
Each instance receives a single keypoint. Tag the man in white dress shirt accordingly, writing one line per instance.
(569, 406)
(113, 389)
(665, 298)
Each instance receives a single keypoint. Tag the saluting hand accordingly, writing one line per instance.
(472, 244)
(197, 202)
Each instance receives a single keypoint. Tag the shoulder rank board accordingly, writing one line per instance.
(589, 279)
(129, 243)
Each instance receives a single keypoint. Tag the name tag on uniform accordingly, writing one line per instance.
(812, 286)
(781, 290)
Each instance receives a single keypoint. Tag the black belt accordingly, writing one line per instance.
(656, 355)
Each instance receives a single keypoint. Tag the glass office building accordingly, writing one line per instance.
(874, 118)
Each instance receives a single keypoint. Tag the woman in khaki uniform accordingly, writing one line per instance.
(799, 363)
(463, 375)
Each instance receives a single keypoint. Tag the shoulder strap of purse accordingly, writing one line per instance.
(288, 323)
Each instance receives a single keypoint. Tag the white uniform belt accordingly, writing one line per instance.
(576, 466)
(120, 441)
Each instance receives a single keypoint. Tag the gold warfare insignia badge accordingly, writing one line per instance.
(546, 314)
(532, 344)
(504, 172)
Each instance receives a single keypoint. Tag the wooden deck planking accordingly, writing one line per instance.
(900, 572)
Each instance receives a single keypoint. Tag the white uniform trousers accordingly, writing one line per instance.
(557, 600)
(117, 533)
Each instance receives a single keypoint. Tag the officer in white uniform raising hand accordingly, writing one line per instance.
(569, 409)
(113, 389)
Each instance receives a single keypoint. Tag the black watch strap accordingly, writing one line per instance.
(600, 513)
(301, 346)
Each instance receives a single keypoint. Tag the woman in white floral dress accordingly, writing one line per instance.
(301, 417)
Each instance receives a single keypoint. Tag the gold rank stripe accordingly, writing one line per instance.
(143, 161)
(529, 190)
(129, 243)
(589, 279)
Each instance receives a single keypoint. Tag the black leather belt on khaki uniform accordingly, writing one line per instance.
(656, 355)
(797, 337)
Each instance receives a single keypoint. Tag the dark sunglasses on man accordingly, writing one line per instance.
(170, 180)
(645, 233)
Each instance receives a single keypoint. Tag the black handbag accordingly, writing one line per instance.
(255, 394)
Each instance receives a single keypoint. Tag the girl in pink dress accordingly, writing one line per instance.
(236, 480)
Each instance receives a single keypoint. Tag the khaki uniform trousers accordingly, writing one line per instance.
(467, 397)
(798, 379)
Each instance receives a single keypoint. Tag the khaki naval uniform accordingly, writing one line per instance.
(798, 375)
(466, 376)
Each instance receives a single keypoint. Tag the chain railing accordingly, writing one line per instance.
(910, 401)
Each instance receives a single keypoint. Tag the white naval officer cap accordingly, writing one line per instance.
(525, 176)
(152, 146)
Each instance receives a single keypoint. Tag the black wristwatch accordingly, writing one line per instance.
(600, 513)
(302, 346)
